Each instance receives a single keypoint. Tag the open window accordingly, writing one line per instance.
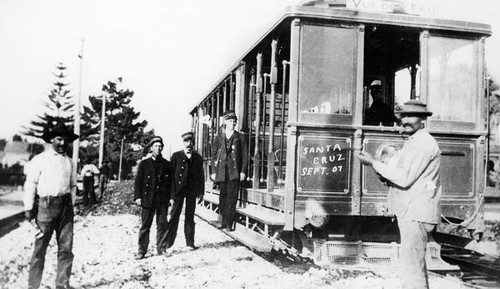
(391, 69)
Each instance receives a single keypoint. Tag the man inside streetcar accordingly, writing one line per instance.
(379, 112)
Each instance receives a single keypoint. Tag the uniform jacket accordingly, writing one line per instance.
(182, 169)
(149, 181)
(415, 188)
(231, 153)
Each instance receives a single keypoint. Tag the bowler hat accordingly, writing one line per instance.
(187, 135)
(230, 115)
(58, 129)
(414, 107)
(155, 139)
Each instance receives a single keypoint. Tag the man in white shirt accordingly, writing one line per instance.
(50, 192)
(89, 173)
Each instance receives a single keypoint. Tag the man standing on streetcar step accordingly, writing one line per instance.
(189, 183)
(152, 193)
(414, 192)
(50, 179)
(229, 167)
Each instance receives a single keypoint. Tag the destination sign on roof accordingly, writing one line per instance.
(422, 8)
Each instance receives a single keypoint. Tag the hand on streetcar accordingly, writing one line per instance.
(242, 176)
(29, 215)
(365, 158)
(212, 176)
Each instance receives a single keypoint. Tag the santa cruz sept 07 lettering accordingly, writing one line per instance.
(321, 165)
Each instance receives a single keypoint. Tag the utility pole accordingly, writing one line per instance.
(101, 139)
(121, 159)
(76, 143)
(103, 121)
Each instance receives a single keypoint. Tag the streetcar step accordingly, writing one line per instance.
(250, 238)
(264, 215)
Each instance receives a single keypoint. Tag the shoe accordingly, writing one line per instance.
(168, 252)
(191, 248)
(139, 256)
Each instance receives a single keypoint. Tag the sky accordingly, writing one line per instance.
(170, 53)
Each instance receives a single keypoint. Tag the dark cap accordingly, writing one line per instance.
(187, 135)
(58, 129)
(155, 139)
(230, 115)
(414, 107)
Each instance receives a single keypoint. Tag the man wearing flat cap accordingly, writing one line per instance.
(414, 192)
(50, 179)
(379, 113)
(188, 184)
(152, 193)
(229, 167)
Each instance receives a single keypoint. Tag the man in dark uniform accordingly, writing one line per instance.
(152, 193)
(229, 167)
(189, 183)
(379, 112)
(104, 172)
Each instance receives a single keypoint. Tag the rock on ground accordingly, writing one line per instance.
(106, 239)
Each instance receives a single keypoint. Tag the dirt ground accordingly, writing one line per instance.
(106, 239)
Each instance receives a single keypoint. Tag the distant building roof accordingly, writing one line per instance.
(15, 152)
(17, 147)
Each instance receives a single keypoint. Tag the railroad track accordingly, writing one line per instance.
(481, 271)
(476, 270)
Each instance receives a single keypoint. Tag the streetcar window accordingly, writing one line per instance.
(403, 89)
(327, 71)
(391, 58)
(452, 79)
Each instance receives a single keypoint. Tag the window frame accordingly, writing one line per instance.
(477, 70)
(357, 65)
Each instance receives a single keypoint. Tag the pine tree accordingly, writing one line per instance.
(58, 106)
(121, 123)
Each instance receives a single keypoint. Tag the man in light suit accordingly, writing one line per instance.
(414, 192)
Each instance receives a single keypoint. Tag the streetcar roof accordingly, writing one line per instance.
(362, 17)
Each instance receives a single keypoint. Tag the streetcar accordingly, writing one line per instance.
(301, 93)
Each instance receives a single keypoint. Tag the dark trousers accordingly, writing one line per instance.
(188, 218)
(161, 228)
(54, 214)
(88, 191)
(227, 202)
(103, 183)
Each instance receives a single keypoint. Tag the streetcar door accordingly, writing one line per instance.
(327, 95)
